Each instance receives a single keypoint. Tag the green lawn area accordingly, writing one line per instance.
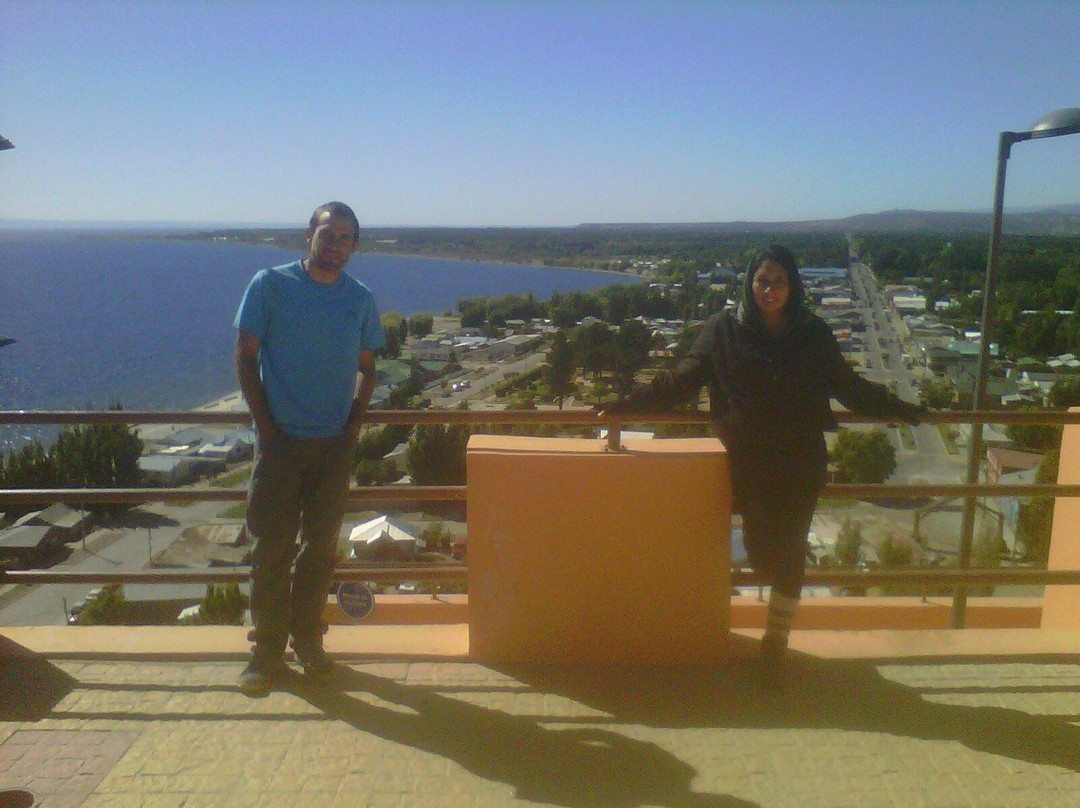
(237, 511)
(948, 432)
(235, 478)
(906, 437)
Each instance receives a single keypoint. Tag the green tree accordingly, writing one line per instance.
(1065, 393)
(421, 324)
(863, 457)
(401, 396)
(110, 609)
(894, 552)
(376, 441)
(593, 346)
(29, 467)
(436, 454)
(437, 538)
(1034, 437)
(473, 311)
(559, 371)
(391, 323)
(631, 351)
(848, 549)
(98, 456)
(221, 606)
(937, 393)
(375, 472)
(392, 349)
(1036, 517)
(989, 549)
(988, 552)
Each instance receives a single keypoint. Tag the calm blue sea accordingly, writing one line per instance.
(149, 322)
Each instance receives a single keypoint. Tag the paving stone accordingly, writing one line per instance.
(458, 734)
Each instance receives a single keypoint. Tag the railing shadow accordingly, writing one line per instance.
(136, 518)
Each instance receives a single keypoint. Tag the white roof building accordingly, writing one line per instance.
(384, 538)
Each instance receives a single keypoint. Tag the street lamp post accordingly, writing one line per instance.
(1057, 123)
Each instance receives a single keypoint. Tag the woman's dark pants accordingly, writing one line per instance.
(776, 487)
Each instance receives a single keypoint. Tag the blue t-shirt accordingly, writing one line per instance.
(310, 339)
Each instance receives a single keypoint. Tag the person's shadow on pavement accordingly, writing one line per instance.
(850, 695)
(579, 768)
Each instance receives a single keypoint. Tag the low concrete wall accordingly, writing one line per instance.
(405, 610)
(898, 613)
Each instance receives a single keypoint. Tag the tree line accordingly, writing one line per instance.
(1038, 274)
(599, 246)
(84, 456)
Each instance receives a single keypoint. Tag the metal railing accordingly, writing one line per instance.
(388, 573)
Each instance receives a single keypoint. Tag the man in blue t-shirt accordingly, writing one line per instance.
(305, 357)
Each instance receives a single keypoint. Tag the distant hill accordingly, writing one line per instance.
(1056, 220)
(1059, 220)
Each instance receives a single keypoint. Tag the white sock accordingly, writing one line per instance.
(781, 612)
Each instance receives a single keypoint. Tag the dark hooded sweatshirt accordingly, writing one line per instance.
(767, 391)
(769, 397)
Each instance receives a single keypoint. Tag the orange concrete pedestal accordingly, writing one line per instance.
(579, 555)
(1061, 604)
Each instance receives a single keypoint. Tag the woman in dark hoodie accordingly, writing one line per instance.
(771, 366)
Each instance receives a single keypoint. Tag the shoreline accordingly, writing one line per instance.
(230, 402)
(535, 263)
(503, 262)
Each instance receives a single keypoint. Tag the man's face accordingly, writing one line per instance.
(331, 243)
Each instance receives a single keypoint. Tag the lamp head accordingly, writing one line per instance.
(1059, 122)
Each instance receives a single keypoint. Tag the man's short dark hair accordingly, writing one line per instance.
(336, 210)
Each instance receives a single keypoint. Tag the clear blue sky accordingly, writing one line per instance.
(529, 113)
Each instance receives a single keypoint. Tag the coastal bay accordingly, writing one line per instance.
(148, 322)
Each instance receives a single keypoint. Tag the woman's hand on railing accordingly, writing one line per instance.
(619, 406)
(909, 413)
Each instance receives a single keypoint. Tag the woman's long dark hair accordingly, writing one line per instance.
(783, 257)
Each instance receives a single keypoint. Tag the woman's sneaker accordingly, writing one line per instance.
(772, 662)
(260, 677)
(315, 661)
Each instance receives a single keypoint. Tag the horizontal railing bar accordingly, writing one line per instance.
(375, 573)
(135, 496)
(395, 572)
(949, 490)
(453, 572)
(457, 493)
(949, 576)
(567, 416)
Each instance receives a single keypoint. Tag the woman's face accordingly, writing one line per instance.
(771, 290)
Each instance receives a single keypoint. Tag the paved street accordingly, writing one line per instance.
(884, 336)
(152, 528)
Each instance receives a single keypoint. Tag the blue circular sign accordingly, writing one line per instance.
(355, 599)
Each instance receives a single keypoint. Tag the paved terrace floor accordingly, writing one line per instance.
(151, 717)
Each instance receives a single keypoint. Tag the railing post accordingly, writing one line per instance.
(614, 436)
(975, 445)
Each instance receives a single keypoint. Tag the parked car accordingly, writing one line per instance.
(79, 605)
